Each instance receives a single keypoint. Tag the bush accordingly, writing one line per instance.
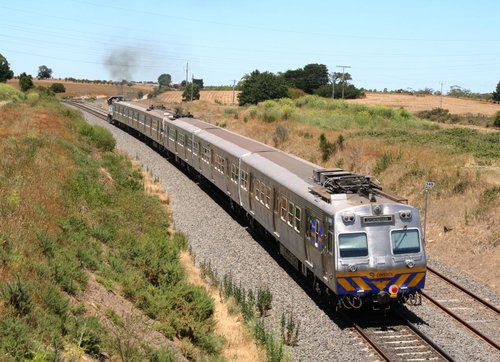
(496, 123)
(25, 82)
(99, 136)
(17, 295)
(57, 88)
(280, 135)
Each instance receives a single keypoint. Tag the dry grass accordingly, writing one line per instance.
(220, 97)
(413, 103)
(88, 89)
(239, 344)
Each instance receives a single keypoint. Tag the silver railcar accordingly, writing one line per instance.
(355, 242)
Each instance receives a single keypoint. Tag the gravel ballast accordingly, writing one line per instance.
(216, 237)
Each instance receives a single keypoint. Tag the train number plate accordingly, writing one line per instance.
(383, 219)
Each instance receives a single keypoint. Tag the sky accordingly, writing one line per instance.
(387, 44)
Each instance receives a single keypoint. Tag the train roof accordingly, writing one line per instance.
(295, 165)
(280, 162)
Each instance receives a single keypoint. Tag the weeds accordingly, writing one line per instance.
(18, 296)
(254, 308)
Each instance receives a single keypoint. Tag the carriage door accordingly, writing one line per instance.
(328, 256)
(314, 242)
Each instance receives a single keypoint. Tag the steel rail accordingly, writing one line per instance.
(461, 321)
(458, 286)
(364, 335)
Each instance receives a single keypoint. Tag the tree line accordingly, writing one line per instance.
(311, 79)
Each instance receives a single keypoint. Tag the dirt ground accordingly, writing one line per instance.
(413, 103)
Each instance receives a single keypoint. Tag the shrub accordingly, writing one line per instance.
(326, 147)
(496, 122)
(25, 82)
(17, 295)
(57, 88)
(99, 136)
(281, 134)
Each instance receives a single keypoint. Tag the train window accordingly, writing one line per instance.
(196, 148)
(353, 245)
(268, 197)
(181, 139)
(316, 233)
(256, 188)
(205, 155)
(141, 118)
(234, 173)
(291, 208)
(262, 193)
(405, 241)
(171, 134)
(297, 218)
(284, 208)
(189, 144)
(329, 246)
(219, 163)
(244, 180)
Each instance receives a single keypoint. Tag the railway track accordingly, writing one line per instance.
(393, 339)
(90, 108)
(465, 310)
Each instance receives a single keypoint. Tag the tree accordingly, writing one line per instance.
(44, 72)
(315, 75)
(310, 78)
(496, 94)
(258, 87)
(164, 80)
(191, 89)
(58, 88)
(5, 72)
(25, 82)
(199, 82)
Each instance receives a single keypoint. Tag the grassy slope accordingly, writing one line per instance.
(403, 152)
(70, 206)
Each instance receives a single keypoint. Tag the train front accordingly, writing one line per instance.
(380, 256)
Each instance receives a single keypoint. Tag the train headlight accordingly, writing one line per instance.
(410, 263)
(405, 214)
(348, 218)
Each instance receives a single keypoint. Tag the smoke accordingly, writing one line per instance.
(122, 63)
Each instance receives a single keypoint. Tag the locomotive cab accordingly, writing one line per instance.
(380, 256)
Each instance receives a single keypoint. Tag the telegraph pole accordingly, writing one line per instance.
(441, 104)
(187, 67)
(234, 87)
(333, 85)
(192, 86)
(343, 72)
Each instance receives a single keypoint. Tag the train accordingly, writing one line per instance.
(358, 245)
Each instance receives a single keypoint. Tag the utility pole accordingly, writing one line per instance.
(343, 72)
(441, 105)
(333, 85)
(234, 87)
(192, 86)
(187, 67)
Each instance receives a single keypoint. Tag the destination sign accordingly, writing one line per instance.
(383, 219)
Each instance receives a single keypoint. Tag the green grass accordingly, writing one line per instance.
(453, 140)
(332, 114)
(9, 93)
(90, 215)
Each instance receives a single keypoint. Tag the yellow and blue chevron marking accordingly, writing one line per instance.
(376, 281)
